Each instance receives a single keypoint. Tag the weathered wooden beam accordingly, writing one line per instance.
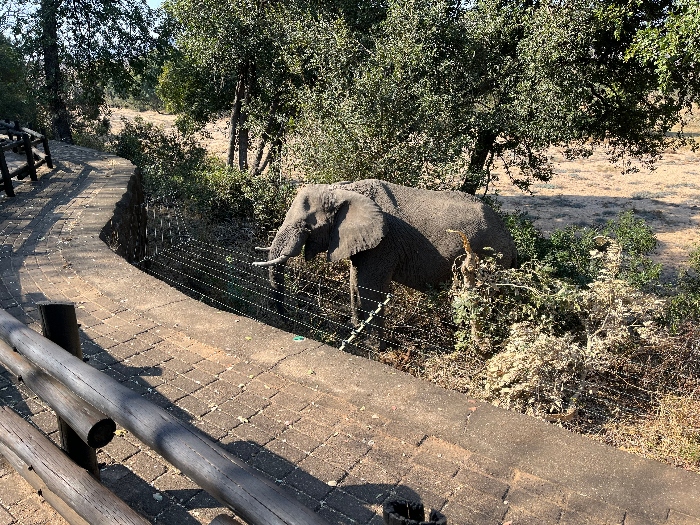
(93, 427)
(47, 152)
(6, 177)
(60, 325)
(252, 497)
(30, 156)
(91, 500)
(36, 482)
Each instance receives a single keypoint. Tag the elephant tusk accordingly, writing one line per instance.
(263, 248)
(280, 260)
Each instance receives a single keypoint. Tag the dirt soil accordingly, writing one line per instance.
(583, 192)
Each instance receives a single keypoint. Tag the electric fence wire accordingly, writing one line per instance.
(318, 306)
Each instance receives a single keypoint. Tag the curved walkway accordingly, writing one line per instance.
(340, 432)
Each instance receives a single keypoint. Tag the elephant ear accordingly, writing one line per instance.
(359, 225)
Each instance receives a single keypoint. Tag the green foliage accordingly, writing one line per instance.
(76, 50)
(672, 47)
(168, 161)
(262, 198)
(16, 101)
(173, 163)
(545, 337)
(683, 305)
(443, 91)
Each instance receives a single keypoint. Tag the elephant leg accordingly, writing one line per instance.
(369, 285)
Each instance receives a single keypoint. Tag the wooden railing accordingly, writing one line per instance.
(22, 140)
(80, 394)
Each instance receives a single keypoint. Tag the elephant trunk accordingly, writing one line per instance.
(287, 243)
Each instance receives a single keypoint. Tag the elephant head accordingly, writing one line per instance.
(324, 218)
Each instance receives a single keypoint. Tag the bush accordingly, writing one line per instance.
(683, 305)
(172, 163)
(549, 329)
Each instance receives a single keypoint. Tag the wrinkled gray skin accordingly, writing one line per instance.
(389, 233)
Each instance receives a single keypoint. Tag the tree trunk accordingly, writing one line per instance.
(60, 119)
(485, 140)
(235, 117)
(265, 138)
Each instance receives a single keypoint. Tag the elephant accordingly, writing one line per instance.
(389, 232)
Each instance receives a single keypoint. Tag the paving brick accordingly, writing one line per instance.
(200, 377)
(429, 499)
(119, 449)
(245, 450)
(342, 451)
(271, 426)
(217, 392)
(321, 415)
(273, 465)
(300, 440)
(405, 432)
(5, 517)
(222, 420)
(145, 466)
(177, 365)
(285, 450)
(678, 518)
(249, 432)
(636, 519)
(235, 377)
(597, 511)
(349, 505)
(489, 467)
(210, 367)
(194, 406)
(369, 482)
(185, 384)
(543, 508)
(483, 504)
(461, 515)
(212, 431)
(540, 487)
(486, 484)
(392, 454)
(521, 517)
(237, 409)
(13, 489)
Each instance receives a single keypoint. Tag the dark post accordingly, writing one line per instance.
(45, 143)
(30, 155)
(6, 177)
(60, 325)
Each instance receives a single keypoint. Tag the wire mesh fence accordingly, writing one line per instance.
(316, 304)
(413, 331)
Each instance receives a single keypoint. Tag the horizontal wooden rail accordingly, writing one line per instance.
(36, 482)
(252, 497)
(93, 427)
(91, 500)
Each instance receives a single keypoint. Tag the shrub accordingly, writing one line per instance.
(174, 163)
(549, 329)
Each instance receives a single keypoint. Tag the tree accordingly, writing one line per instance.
(16, 101)
(672, 48)
(80, 47)
(448, 88)
(250, 60)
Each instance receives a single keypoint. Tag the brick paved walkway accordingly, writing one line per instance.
(341, 433)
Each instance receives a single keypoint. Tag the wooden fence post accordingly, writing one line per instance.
(30, 155)
(6, 177)
(60, 325)
(45, 143)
